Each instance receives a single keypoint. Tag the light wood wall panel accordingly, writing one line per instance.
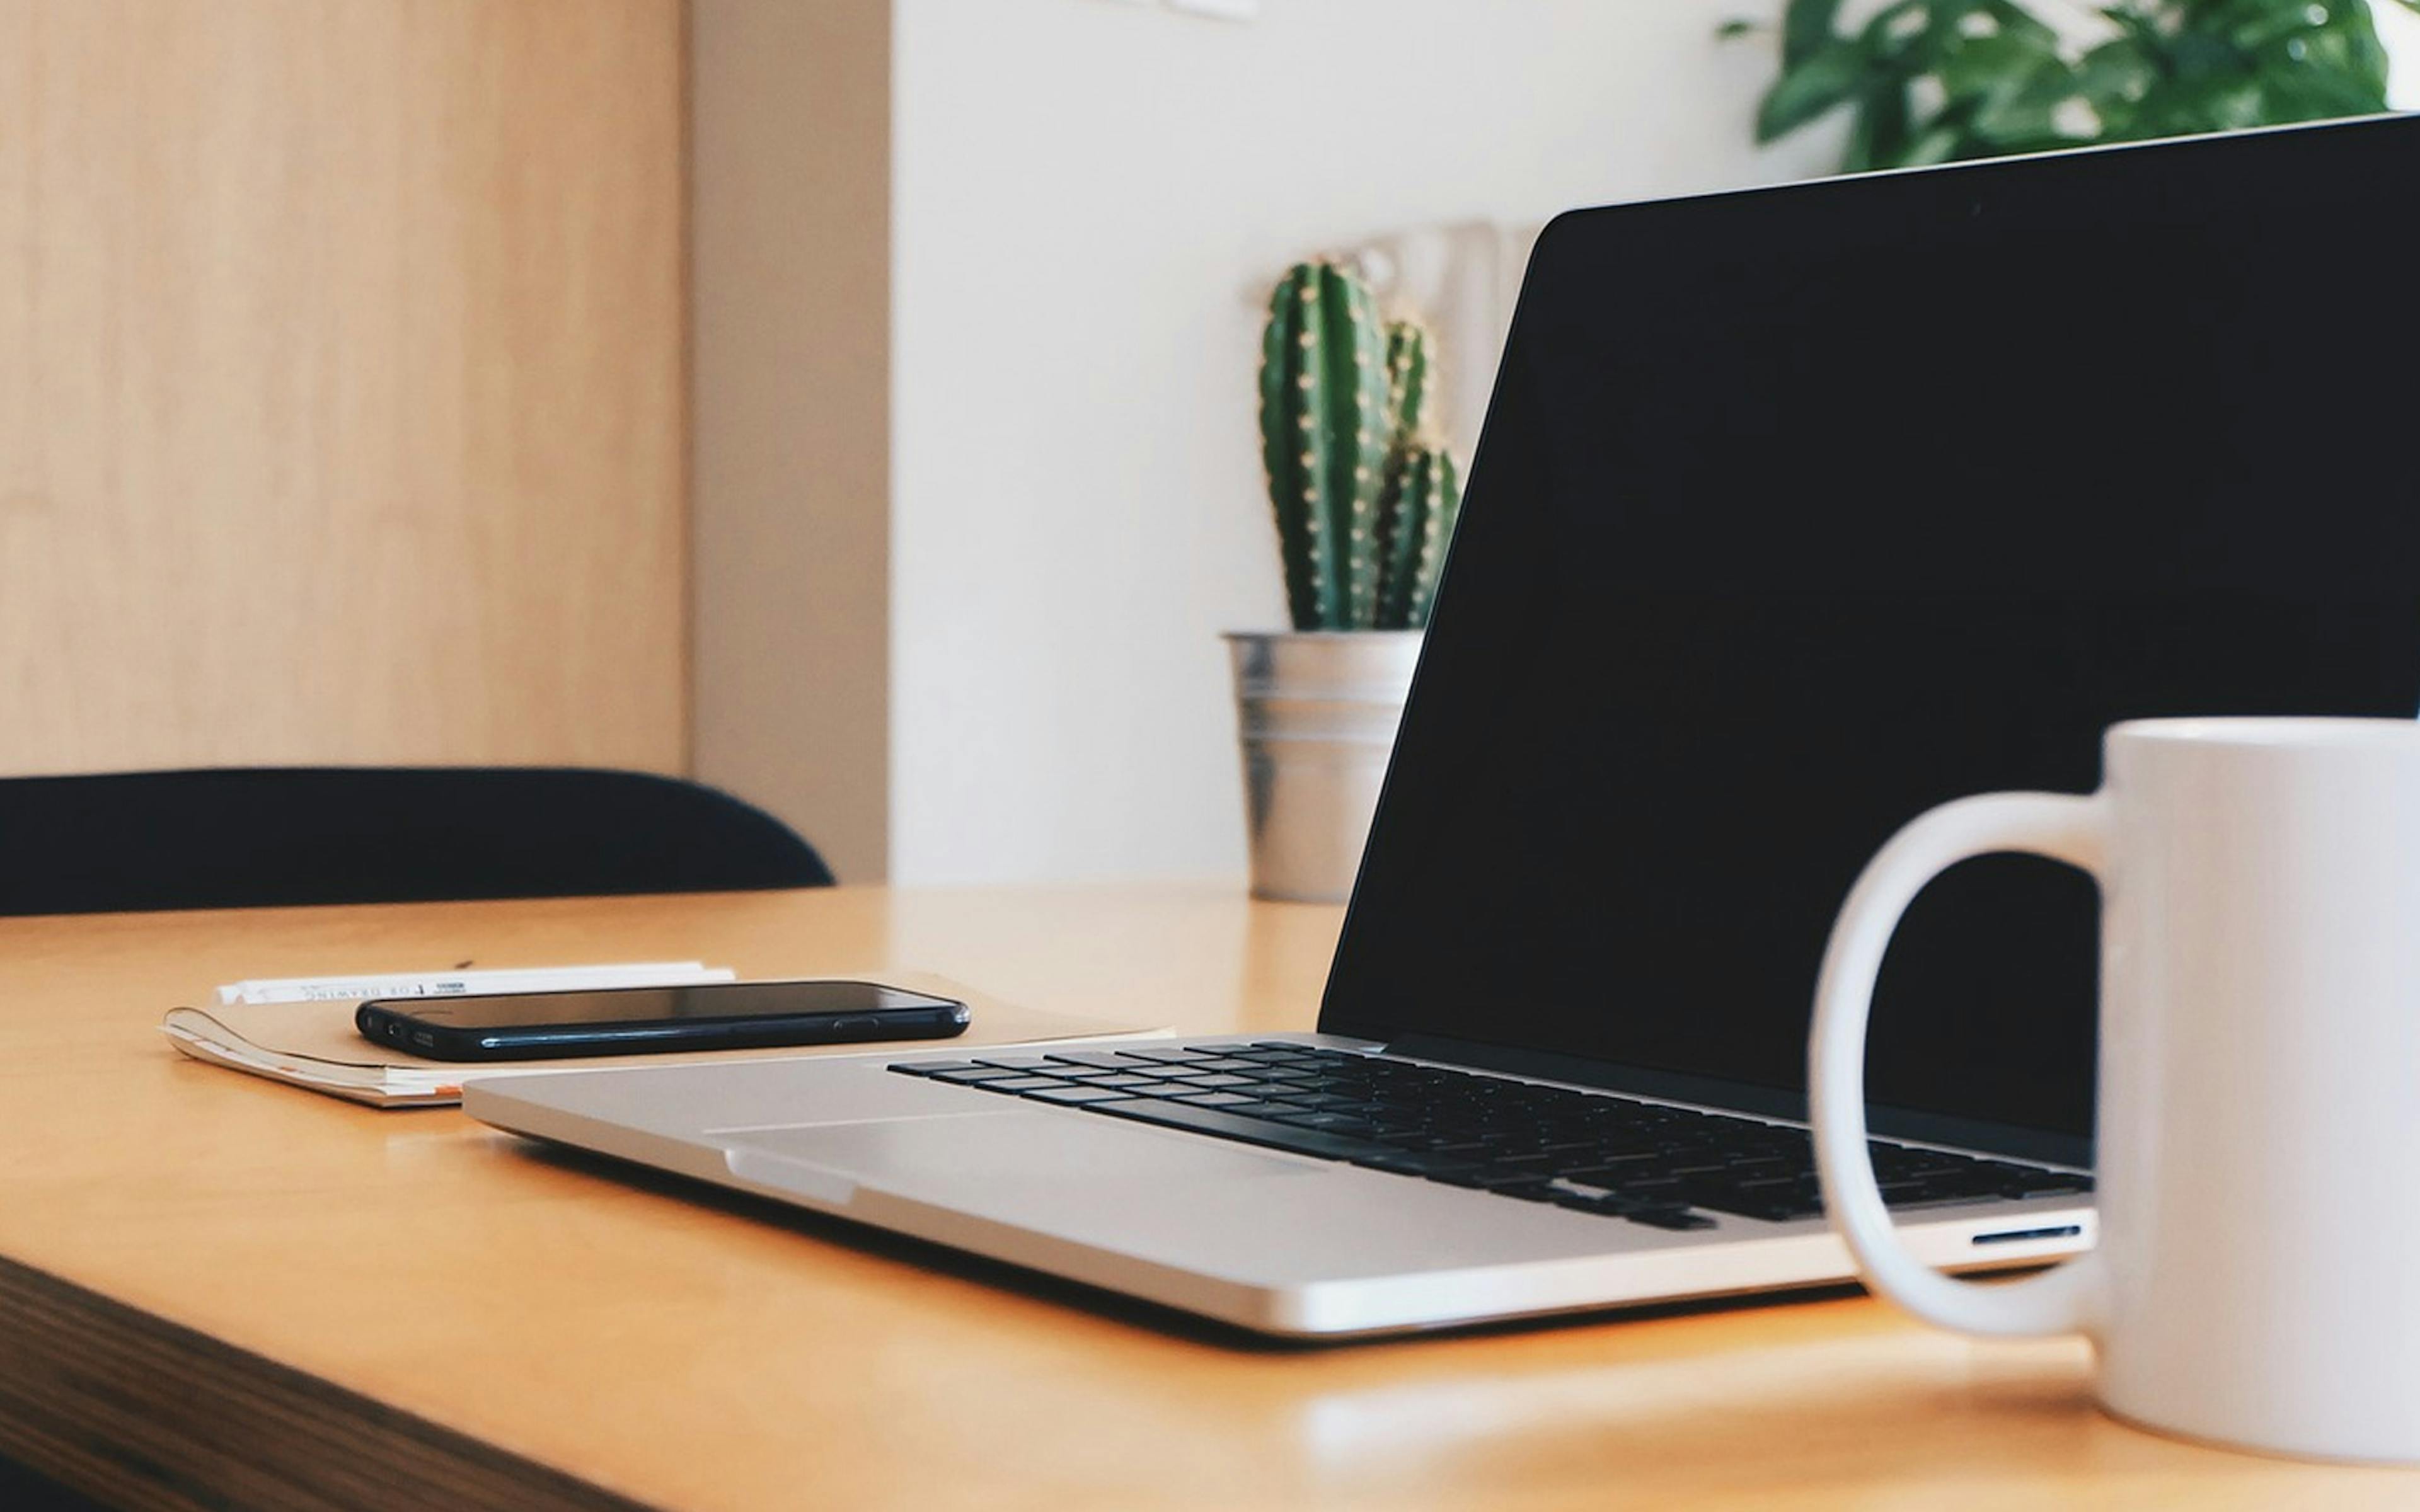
(341, 347)
(790, 248)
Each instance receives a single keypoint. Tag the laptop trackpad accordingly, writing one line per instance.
(1005, 1149)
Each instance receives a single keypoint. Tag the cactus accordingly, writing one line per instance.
(1418, 491)
(1410, 378)
(1365, 494)
(1324, 434)
(1420, 496)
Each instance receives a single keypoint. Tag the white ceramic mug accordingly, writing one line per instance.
(2257, 1278)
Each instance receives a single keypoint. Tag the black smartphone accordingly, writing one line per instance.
(631, 1020)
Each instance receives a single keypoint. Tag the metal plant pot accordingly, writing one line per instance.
(1316, 713)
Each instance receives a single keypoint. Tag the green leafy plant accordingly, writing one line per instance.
(1364, 492)
(1936, 81)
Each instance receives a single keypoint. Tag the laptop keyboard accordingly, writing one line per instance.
(1594, 1151)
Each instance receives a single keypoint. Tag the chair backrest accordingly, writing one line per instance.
(253, 837)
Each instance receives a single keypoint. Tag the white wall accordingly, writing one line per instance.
(2399, 30)
(1084, 194)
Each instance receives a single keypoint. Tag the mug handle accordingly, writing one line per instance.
(2063, 1299)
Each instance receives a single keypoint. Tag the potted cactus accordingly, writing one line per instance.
(1365, 495)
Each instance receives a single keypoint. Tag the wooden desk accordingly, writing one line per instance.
(213, 1288)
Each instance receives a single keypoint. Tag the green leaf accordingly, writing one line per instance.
(1994, 68)
(2210, 102)
(2314, 95)
(1906, 37)
(2347, 45)
(2169, 67)
(1939, 143)
(2115, 74)
(1737, 27)
(1824, 81)
(1878, 138)
(2017, 21)
(2251, 27)
(2138, 27)
(2029, 111)
(1808, 25)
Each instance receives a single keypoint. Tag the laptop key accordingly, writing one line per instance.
(1696, 1168)
(1625, 1151)
(930, 1068)
(1446, 1144)
(1325, 1119)
(1213, 1099)
(1531, 1163)
(1270, 1087)
(1949, 1186)
(2044, 1183)
(1024, 1083)
(1777, 1212)
(1015, 1062)
(1253, 1107)
(1595, 1199)
(1526, 1188)
(1676, 1218)
(1414, 1163)
(1074, 1096)
(1262, 1132)
(979, 1076)
(1764, 1168)
(1926, 1197)
(1569, 1146)
(1771, 1201)
(1487, 1177)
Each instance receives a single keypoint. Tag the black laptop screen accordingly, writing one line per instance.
(1801, 510)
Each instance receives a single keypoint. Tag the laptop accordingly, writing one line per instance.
(1797, 511)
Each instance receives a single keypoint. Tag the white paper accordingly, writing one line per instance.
(471, 983)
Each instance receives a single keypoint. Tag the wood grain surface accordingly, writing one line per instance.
(478, 1318)
(340, 382)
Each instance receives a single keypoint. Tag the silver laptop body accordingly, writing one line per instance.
(1755, 564)
(1271, 1240)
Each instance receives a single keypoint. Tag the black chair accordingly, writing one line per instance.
(260, 837)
